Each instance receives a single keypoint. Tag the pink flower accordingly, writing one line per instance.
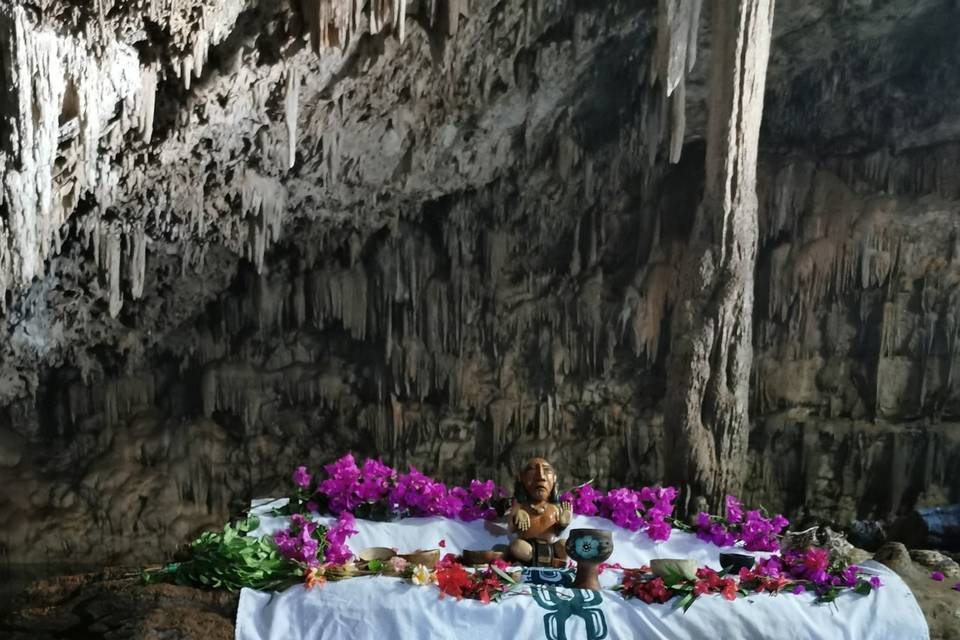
(936, 575)
(956, 587)
(799, 589)
(734, 509)
(337, 550)
(398, 564)
(583, 500)
(302, 477)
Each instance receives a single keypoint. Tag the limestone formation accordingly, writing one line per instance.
(240, 236)
(711, 353)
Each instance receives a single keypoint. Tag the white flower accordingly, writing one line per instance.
(422, 576)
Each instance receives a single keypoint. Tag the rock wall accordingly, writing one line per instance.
(459, 250)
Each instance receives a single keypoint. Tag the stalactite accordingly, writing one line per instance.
(454, 8)
(678, 23)
(148, 90)
(113, 265)
(341, 295)
(55, 79)
(264, 202)
(234, 387)
(121, 396)
(194, 28)
(647, 305)
(400, 13)
(336, 23)
(137, 260)
(291, 110)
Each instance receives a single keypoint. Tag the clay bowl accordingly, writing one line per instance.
(482, 556)
(666, 567)
(590, 545)
(429, 558)
(377, 553)
(733, 562)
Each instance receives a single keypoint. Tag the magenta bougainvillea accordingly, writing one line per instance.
(809, 569)
(309, 544)
(756, 531)
(645, 510)
(376, 490)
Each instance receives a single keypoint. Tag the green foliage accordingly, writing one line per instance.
(863, 587)
(686, 601)
(232, 560)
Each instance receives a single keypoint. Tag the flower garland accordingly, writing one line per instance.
(377, 491)
(797, 570)
(488, 585)
(756, 531)
(811, 569)
(316, 554)
(648, 509)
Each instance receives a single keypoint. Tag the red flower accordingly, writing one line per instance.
(729, 589)
(443, 544)
(711, 577)
(452, 578)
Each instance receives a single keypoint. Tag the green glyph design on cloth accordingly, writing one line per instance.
(580, 603)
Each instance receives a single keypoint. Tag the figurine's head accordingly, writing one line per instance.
(537, 482)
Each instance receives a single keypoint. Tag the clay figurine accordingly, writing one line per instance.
(537, 517)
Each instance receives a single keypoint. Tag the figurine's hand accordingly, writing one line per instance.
(521, 520)
(566, 514)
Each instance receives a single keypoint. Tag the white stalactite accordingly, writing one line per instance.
(264, 203)
(54, 79)
(148, 90)
(113, 262)
(138, 260)
(291, 112)
(678, 23)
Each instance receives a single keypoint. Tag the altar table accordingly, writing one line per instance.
(382, 608)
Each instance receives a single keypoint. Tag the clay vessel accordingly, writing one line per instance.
(589, 548)
(429, 559)
(485, 556)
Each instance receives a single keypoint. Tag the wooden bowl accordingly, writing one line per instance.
(733, 562)
(377, 553)
(664, 568)
(429, 558)
(481, 556)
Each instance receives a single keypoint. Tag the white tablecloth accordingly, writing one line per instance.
(382, 608)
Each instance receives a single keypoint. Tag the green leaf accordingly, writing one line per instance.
(375, 565)
(672, 577)
(506, 577)
(863, 587)
(685, 602)
(828, 596)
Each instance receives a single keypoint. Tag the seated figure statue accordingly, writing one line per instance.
(536, 517)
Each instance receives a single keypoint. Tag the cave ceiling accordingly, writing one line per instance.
(151, 149)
